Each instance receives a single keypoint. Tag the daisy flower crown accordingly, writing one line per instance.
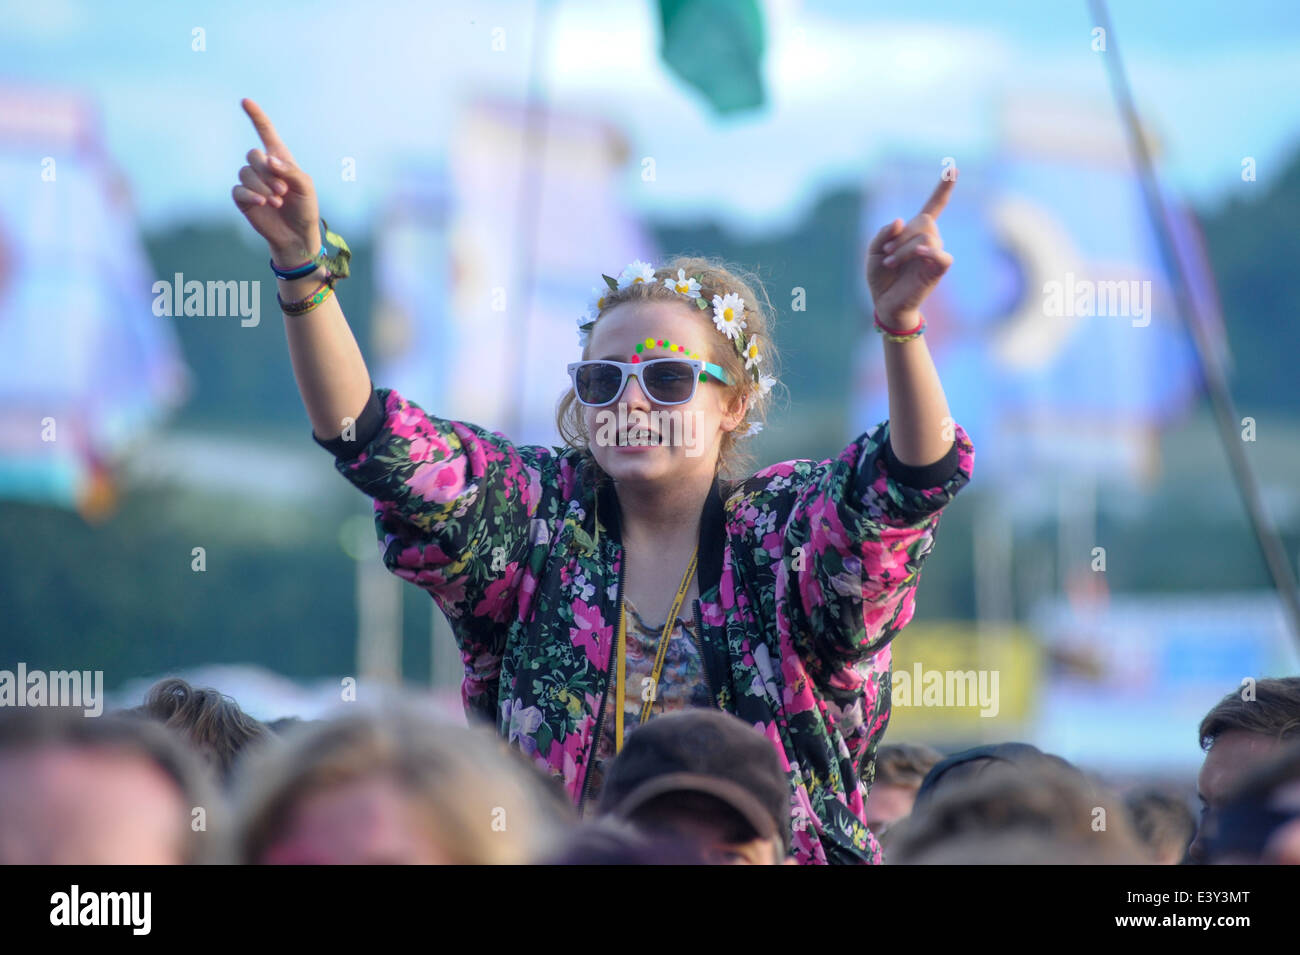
(728, 313)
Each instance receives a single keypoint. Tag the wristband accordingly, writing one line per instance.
(337, 265)
(899, 337)
(298, 271)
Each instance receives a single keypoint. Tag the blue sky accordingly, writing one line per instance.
(850, 82)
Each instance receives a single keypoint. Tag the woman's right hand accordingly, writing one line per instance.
(277, 198)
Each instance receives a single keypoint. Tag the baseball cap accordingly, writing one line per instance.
(704, 751)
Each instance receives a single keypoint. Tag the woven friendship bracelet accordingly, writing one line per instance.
(322, 292)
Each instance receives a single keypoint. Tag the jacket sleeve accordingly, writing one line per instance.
(857, 534)
(453, 505)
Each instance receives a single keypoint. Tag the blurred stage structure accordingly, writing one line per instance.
(1076, 397)
(1065, 402)
(86, 368)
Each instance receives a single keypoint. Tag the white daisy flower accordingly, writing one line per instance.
(683, 285)
(598, 298)
(765, 384)
(753, 429)
(752, 357)
(729, 314)
(638, 271)
(584, 334)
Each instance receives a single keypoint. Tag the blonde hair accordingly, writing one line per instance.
(460, 779)
(715, 279)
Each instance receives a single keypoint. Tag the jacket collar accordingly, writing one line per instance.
(712, 527)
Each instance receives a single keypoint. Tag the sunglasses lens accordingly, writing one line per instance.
(669, 382)
(598, 382)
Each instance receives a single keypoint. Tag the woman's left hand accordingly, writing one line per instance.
(905, 262)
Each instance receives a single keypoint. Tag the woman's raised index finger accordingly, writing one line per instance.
(262, 123)
(939, 198)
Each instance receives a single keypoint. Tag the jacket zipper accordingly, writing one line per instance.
(604, 698)
(704, 660)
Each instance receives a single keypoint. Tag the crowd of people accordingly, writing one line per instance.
(188, 777)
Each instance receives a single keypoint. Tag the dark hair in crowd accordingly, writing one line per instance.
(905, 764)
(609, 841)
(1274, 712)
(1026, 807)
(964, 767)
(212, 723)
(285, 724)
(1162, 819)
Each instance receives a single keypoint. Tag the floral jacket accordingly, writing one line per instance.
(807, 570)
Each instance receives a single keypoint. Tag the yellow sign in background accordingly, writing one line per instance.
(944, 650)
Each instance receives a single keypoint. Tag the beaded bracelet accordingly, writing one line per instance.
(899, 337)
(322, 292)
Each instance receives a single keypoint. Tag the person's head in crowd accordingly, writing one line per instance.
(1163, 821)
(111, 790)
(1244, 729)
(284, 724)
(610, 841)
(213, 724)
(1259, 820)
(1013, 814)
(1020, 848)
(962, 767)
(706, 778)
(900, 768)
(392, 785)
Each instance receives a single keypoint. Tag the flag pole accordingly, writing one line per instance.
(1216, 383)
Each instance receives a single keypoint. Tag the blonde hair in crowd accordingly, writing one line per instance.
(715, 279)
(460, 780)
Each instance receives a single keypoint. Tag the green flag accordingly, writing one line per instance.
(716, 46)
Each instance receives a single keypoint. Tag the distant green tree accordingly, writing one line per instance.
(1253, 244)
(242, 375)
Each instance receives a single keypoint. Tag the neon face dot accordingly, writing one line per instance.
(636, 359)
(649, 343)
(639, 347)
(704, 376)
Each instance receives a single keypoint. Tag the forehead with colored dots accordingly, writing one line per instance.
(664, 344)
